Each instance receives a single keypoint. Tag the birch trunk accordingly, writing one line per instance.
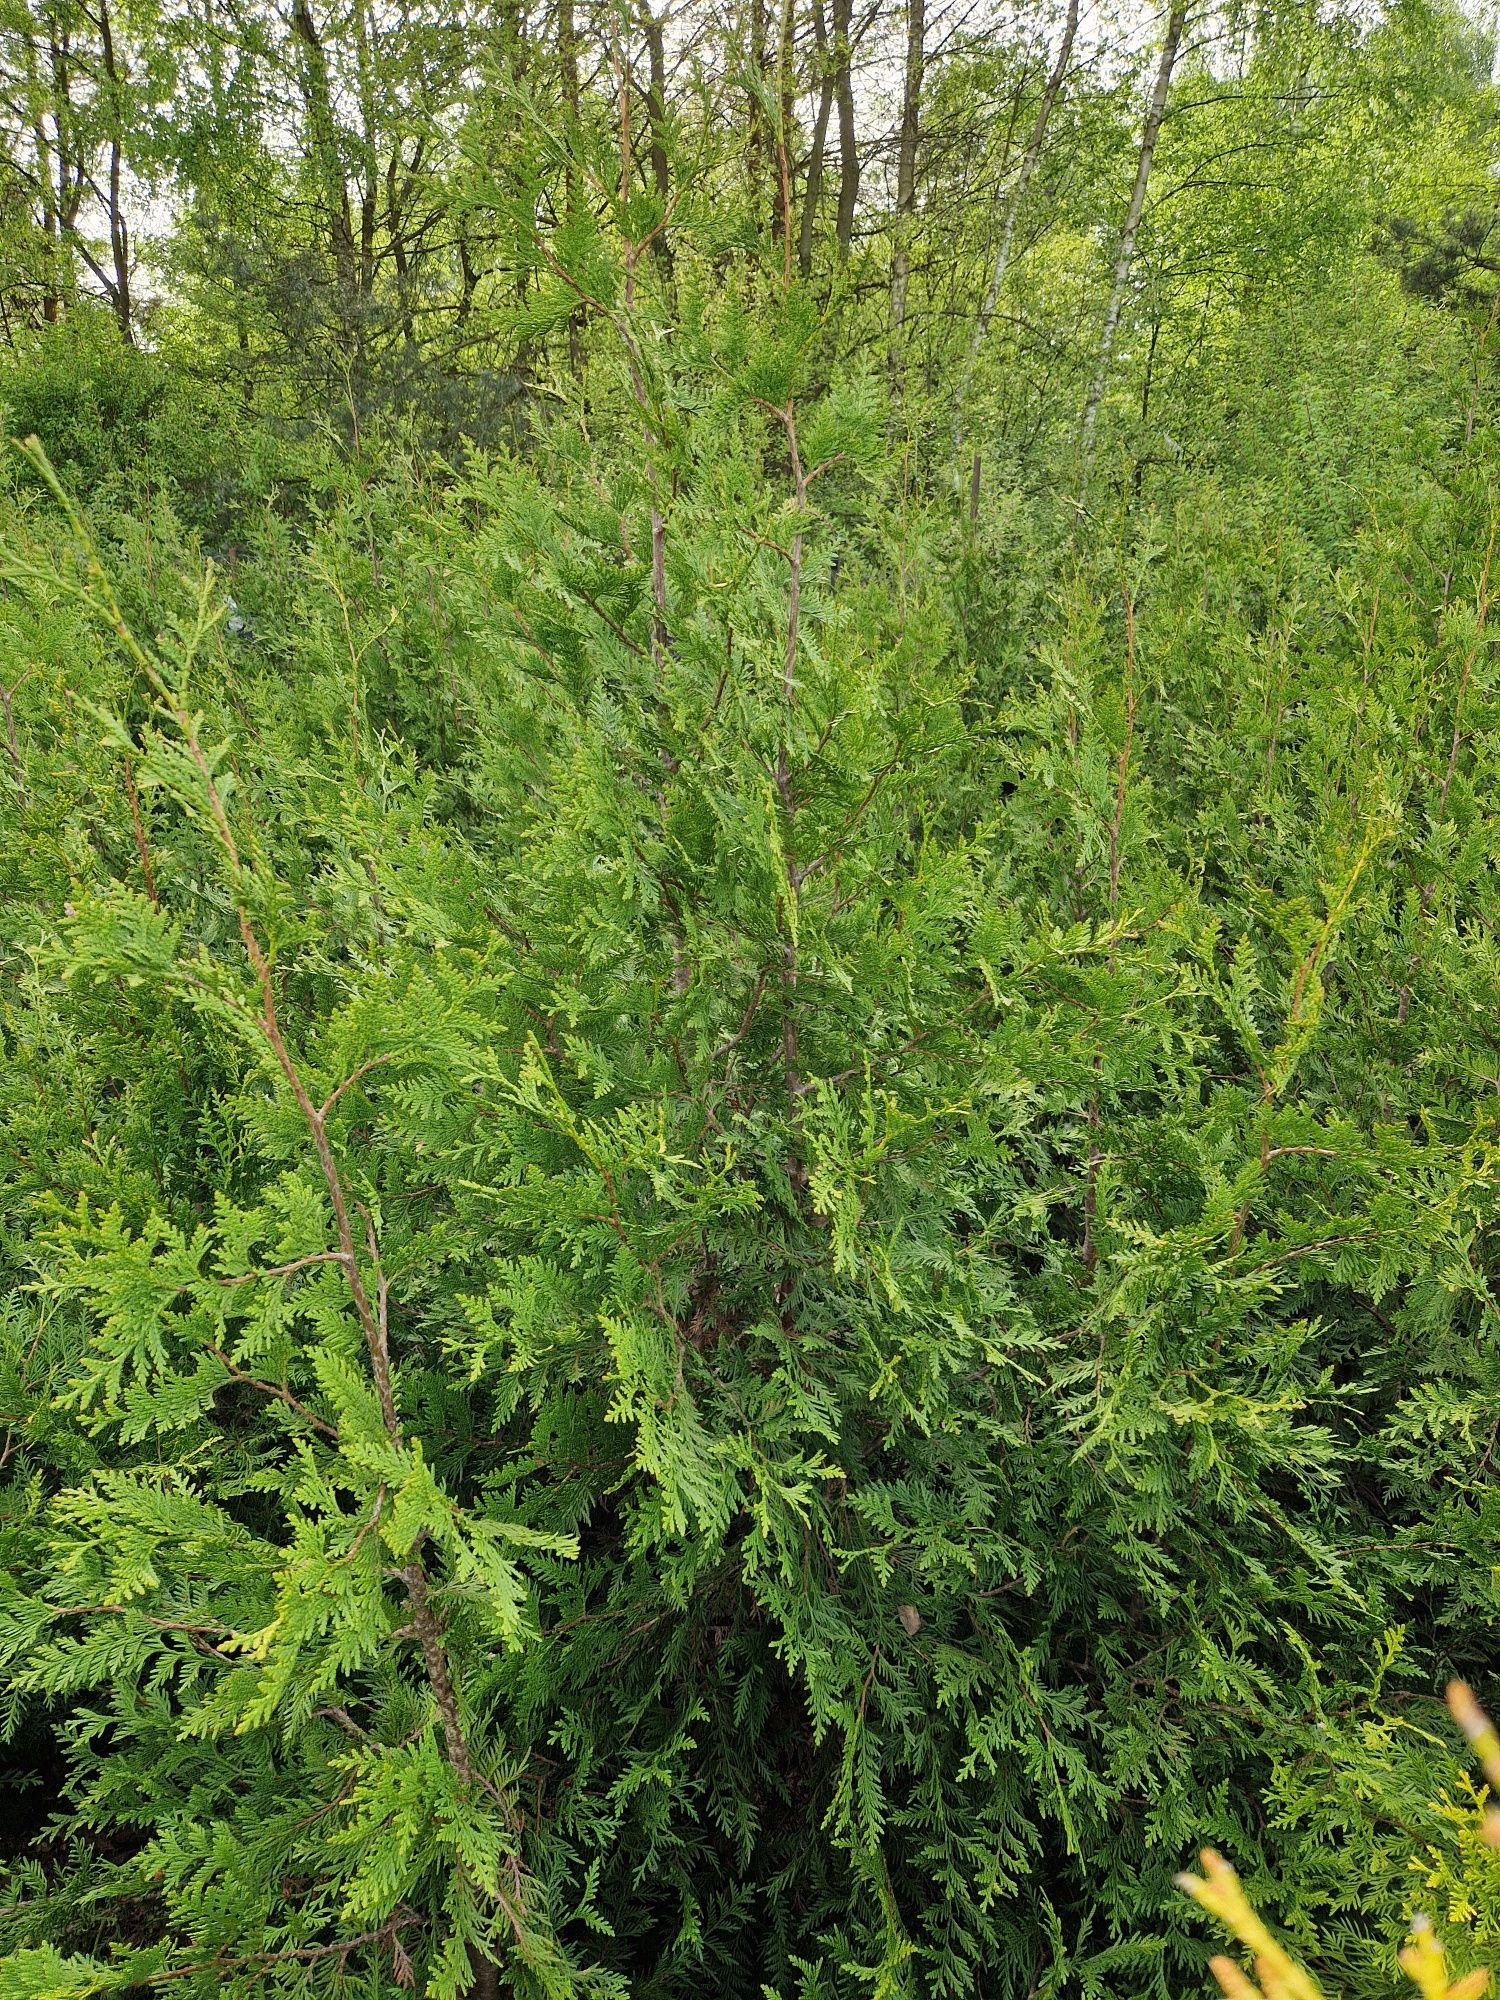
(1125, 256)
(906, 186)
(843, 91)
(1029, 163)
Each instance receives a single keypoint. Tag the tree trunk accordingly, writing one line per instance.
(781, 202)
(567, 57)
(46, 168)
(567, 60)
(397, 193)
(71, 173)
(323, 146)
(369, 166)
(1125, 256)
(468, 279)
(843, 89)
(656, 127)
(906, 186)
(760, 146)
(119, 236)
(517, 53)
(1029, 163)
(813, 190)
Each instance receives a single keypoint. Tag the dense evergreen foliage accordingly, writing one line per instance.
(751, 1013)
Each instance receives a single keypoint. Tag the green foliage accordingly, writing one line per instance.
(132, 430)
(872, 1194)
(93, 401)
(747, 1208)
(1465, 1879)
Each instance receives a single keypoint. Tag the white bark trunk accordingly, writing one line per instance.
(1125, 256)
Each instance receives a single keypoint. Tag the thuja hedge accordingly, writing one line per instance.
(721, 1275)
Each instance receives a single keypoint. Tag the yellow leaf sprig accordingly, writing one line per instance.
(1485, 1741)
(1423, 1959)
(1426, 1966)
(1222, 1894)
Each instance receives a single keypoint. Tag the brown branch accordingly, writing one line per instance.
(285, 1270)
(349, 1081)
(372, 1319)
(281, 1393)
(138, 827)
(12, 742)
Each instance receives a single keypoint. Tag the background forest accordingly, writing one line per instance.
(750, 1109)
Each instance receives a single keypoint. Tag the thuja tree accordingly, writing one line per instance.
(700, 1292)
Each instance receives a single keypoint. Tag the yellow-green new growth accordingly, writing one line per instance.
(1422, 1959)
(1222, 1894)
(1485, 1740)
